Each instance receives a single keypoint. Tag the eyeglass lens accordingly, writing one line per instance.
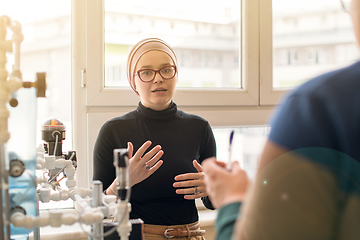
(149, 74)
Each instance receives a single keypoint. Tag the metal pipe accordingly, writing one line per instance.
(37, 229)
(96, 201)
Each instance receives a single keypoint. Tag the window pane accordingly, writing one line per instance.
(246, 148)
(205, 37)
(247, 144)
(46, 26)
(310, 37)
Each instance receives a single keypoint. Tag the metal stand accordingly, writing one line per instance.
(96, 201)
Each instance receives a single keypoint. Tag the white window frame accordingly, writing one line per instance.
(93, 104)
(98, 95)
(268, 95)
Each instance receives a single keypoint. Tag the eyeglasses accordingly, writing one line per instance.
(148, 75)
(345, 5)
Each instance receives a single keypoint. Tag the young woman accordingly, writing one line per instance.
(166, 147)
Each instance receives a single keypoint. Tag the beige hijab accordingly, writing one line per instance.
(142, 47)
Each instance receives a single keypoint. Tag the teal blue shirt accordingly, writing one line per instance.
(226, 219)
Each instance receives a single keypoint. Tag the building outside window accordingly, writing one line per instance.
(321, 32)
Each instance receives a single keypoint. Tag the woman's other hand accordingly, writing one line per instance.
(192, 184)
(141, 165)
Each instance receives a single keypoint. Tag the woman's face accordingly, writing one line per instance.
(157, 94)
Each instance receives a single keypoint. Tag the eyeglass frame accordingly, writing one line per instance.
(156, 71)
(344, 7)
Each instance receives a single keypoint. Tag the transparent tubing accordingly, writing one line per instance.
(4, 194)
(22, 146)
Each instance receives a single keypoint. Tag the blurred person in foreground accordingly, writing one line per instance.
(308, 181)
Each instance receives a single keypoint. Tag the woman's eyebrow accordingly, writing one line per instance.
(146, 66)
(165, 64)
(151, 67)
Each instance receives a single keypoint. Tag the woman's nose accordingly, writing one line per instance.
(158, 78)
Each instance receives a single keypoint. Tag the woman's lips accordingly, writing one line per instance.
(159, 90)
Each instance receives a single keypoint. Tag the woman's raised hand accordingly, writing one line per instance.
(141, 165)
(192, 184)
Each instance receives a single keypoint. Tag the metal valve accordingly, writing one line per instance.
(17, 168)
(40, 84)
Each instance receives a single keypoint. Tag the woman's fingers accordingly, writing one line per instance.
(154, 153)
(142, 164)
(198, 167)
(191, 185)
(150, 163)
(189, 176)
(193, 192)
(154, 167)
(130, 149)
(142, 149)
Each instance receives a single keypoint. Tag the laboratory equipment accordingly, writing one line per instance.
(29, 174)
(17, 155)
(53, 133)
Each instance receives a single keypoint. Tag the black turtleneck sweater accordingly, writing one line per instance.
(183, 138)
